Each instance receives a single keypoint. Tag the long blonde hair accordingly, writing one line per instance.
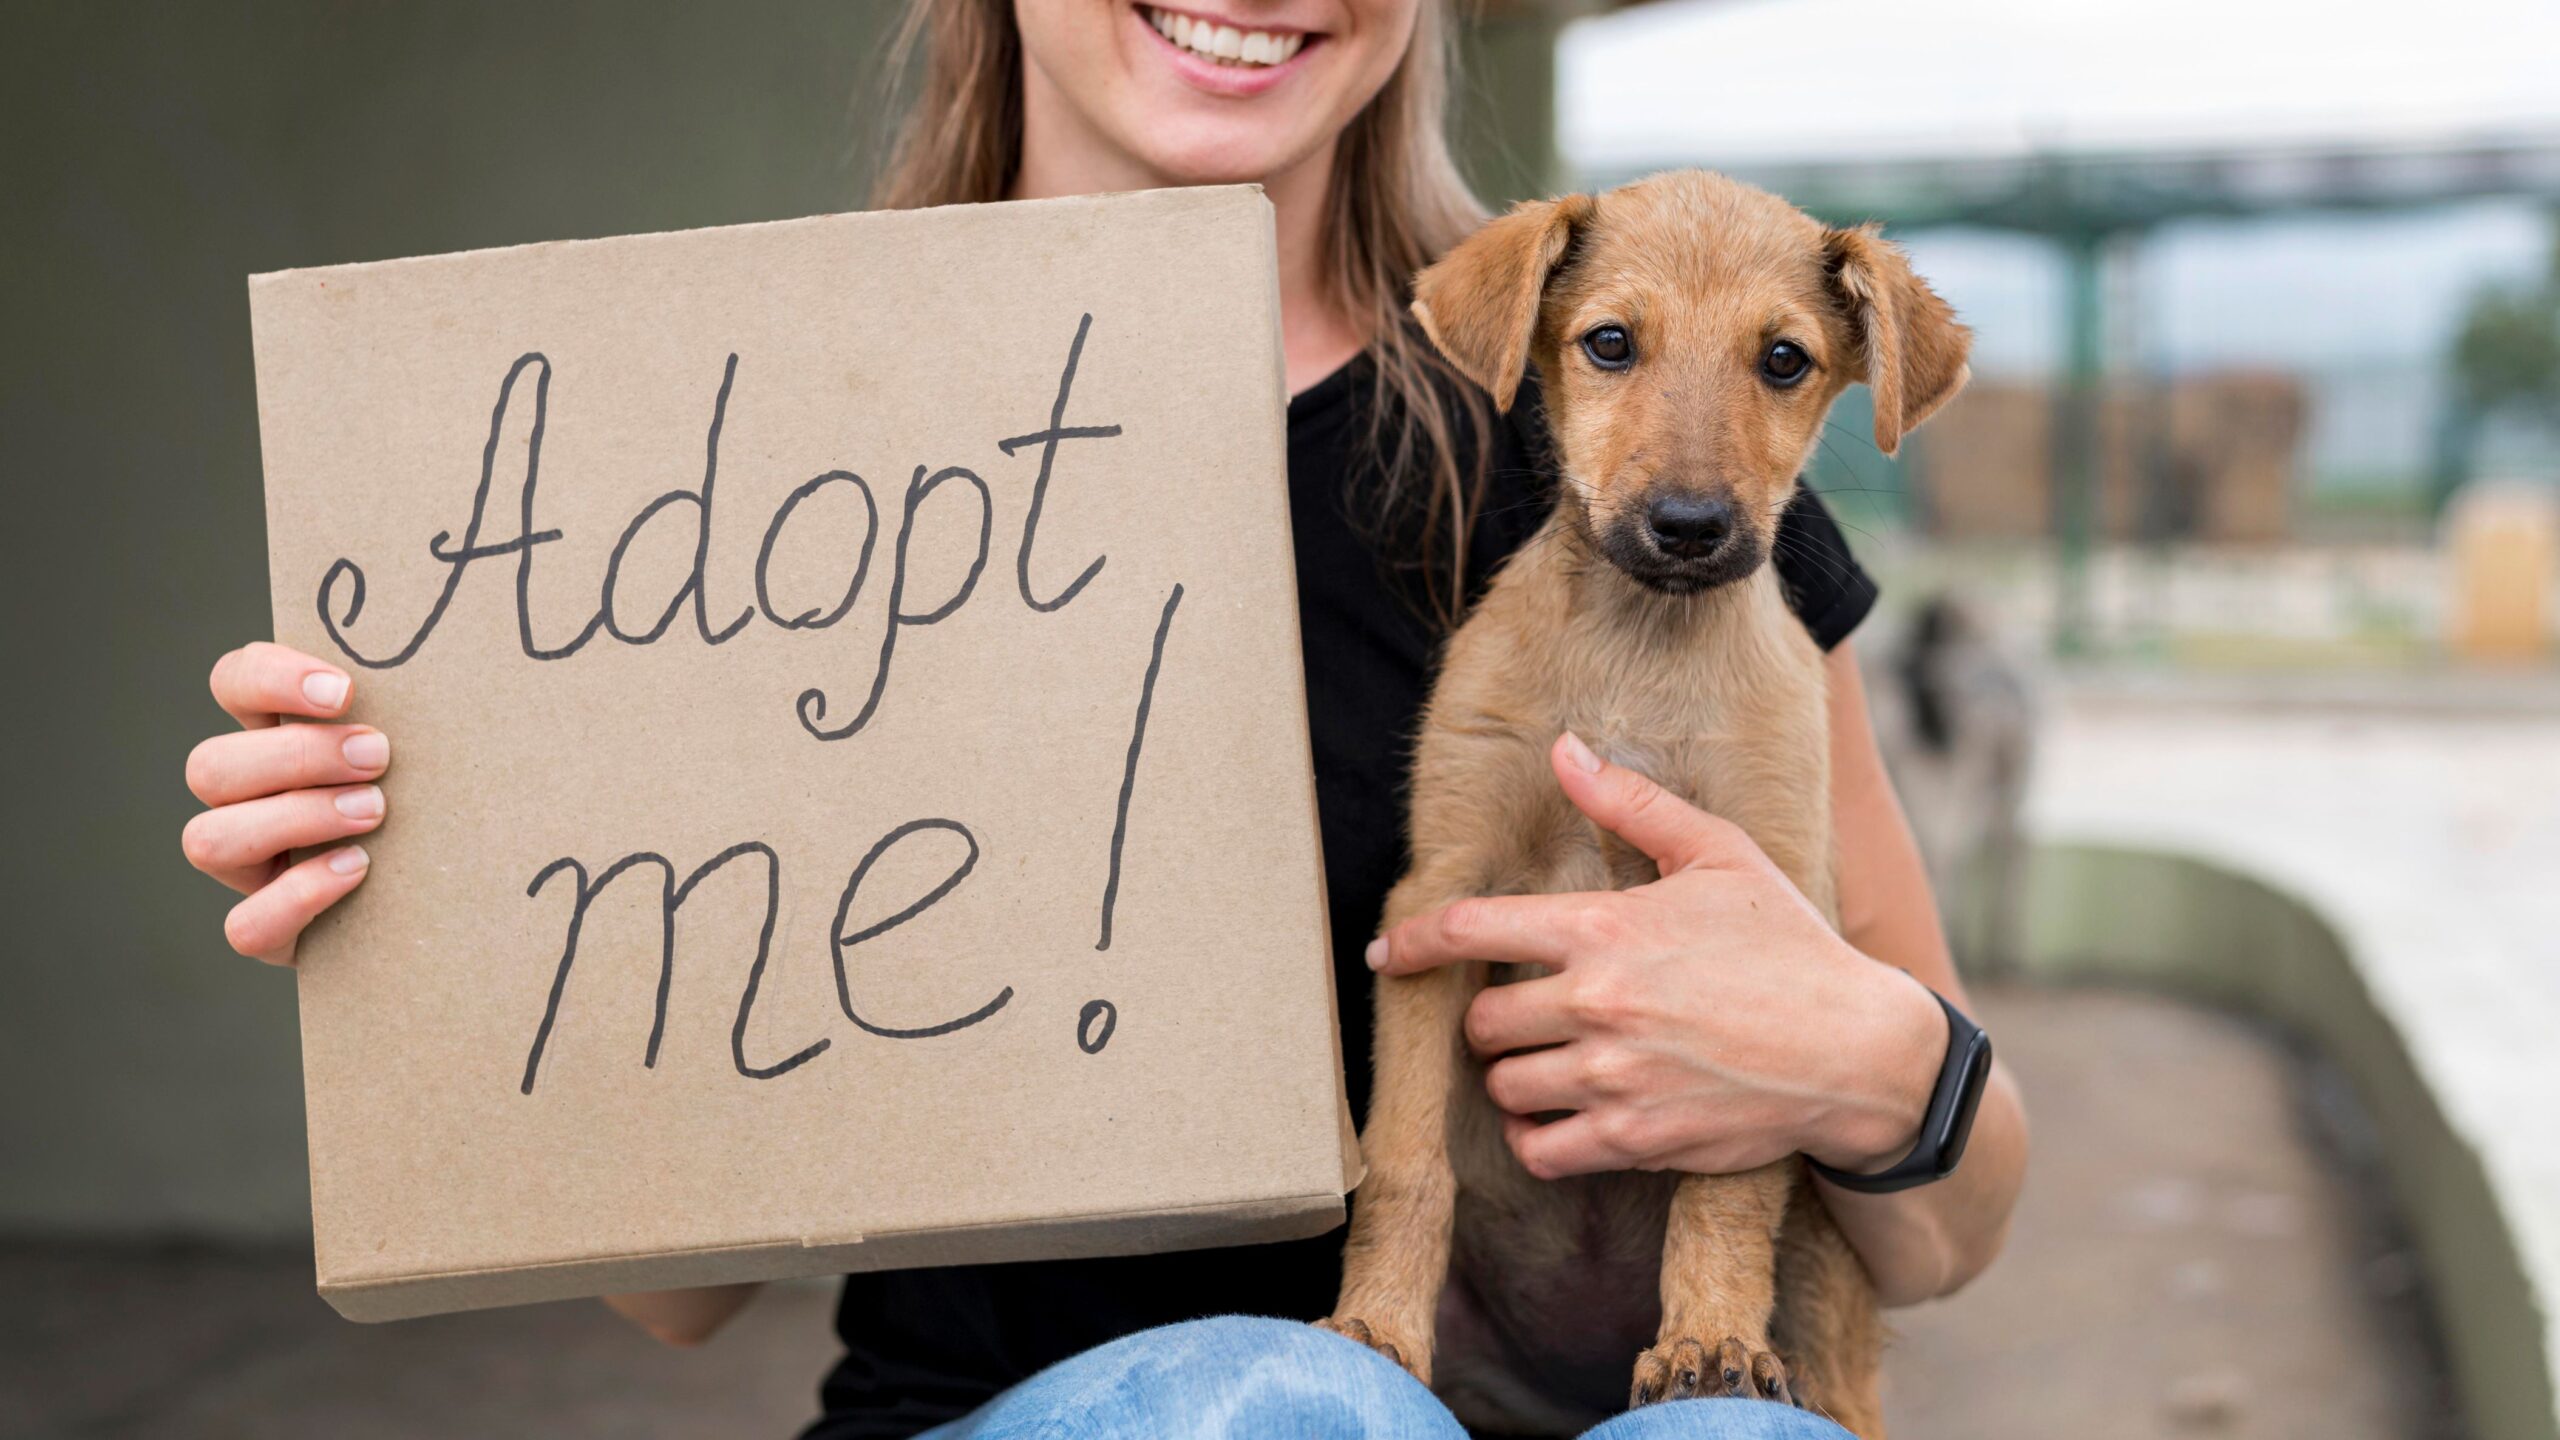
(1397, 202)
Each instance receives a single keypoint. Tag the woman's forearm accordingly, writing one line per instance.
(1927, 1242)
(683, 1317)
(1922, 1243)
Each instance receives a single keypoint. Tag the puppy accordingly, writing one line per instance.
(1691, 333)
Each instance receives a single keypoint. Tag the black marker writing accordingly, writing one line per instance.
(341, 594)
(1048, 440)
(460, 560)
(755, 972)
(1129, 770)
(693, 585)
(811, 619)
(672, 896)
(813, 701)
(1094, 1025)
(840, 942)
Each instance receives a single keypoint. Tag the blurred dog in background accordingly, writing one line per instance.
(1955, 714)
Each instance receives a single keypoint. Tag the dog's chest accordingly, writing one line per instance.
(1555, 1285)
(1714, 712)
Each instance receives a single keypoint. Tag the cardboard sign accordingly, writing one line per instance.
(850, 803)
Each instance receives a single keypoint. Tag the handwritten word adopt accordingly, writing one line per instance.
(341, 602)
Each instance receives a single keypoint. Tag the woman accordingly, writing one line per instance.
(1759, 1033)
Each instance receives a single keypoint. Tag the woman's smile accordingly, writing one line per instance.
(1222, 55)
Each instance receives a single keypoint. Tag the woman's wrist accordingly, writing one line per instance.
(1886, 1054)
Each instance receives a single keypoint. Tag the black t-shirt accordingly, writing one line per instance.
(927, 1346)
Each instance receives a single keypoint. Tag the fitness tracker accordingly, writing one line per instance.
(1949, 1121)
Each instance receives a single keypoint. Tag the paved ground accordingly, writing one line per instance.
(2428, 839)
(2196, 1252)
(2193, 1258)
(103, 1344)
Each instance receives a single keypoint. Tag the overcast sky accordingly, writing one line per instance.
(1725, 81)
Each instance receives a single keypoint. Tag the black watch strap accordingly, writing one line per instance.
(1949, 1121)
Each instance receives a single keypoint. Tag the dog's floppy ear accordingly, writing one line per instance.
(1479, 302)
(1914, 349)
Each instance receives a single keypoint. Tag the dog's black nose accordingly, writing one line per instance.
(1688, 526)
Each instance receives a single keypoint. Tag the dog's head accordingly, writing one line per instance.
(1691, 333)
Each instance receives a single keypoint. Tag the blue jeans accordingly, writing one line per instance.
(1237, 1377)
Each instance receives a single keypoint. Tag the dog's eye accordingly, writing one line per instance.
(1785, 364)
(1609, 347)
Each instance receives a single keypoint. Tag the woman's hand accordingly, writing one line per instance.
(1710, 1021)
(271, 788)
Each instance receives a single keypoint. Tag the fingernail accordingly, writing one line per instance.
(1580, 754)
(325, 688)
(349, 860)
(367, 750)
(1376, 954)
(362, 803)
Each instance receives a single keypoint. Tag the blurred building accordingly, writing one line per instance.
(2210, 456)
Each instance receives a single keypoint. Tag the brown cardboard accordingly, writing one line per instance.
(1005, 1085)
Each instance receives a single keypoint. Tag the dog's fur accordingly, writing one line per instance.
(1527, 1296)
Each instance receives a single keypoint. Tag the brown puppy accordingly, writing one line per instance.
(1691, 333)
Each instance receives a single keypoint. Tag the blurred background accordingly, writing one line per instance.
(2217, 662)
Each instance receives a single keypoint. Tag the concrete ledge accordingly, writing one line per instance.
(2214, 933)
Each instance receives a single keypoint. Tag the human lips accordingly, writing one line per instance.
(1222, 42)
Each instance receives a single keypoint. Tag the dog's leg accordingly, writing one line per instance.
(1827, 1321)
(1719, 1271)
(1397, 1259)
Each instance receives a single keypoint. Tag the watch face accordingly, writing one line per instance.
(1976, 1074)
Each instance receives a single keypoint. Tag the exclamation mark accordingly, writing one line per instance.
(1099, 1017)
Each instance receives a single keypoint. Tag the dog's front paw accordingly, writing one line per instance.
(1684, 1369)
(1405, 1351)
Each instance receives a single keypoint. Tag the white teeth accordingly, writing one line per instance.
(1225, 42)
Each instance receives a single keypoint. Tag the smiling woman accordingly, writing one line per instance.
(1405, 491)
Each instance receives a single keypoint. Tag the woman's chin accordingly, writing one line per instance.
(1221, 152)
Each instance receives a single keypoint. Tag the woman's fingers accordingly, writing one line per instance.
(238, 844)
(1675, 834)
(1512, 929)
(248, 764)
(1540, 1081)
(266, 925)
(277, 788)
(1522, 1015)
(260, 681)
(1573, 1145)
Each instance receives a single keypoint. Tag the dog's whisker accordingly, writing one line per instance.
(1802, 549)
(1792, 545)
(1855, 438)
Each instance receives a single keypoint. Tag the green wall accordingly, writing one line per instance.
(152, 156)
(1503, 105)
